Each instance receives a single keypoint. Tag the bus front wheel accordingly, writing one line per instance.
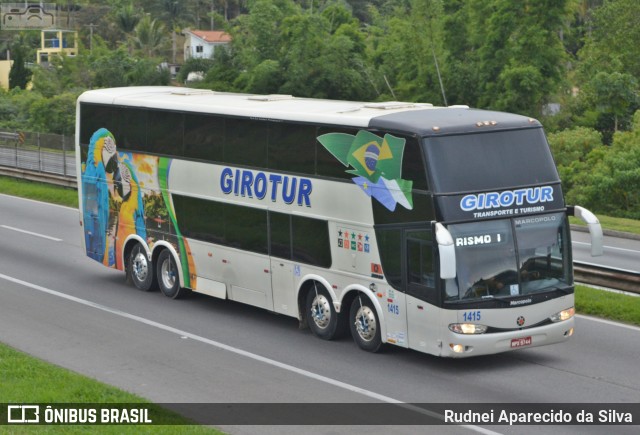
(168, 279)
(140, 269)
(364, 323)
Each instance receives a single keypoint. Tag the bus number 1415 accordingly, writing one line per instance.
(471, 316)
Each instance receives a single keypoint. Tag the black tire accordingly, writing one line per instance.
(167, 275)
(365, 325)
(322, 318)
(140, 269)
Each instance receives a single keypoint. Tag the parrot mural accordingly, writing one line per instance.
(131, 216)
(108, 178)
(117, 188)
(102, 159)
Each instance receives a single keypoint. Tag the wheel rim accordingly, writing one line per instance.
(366, 324)
(140, 266)
(168, 273)
(321, 311)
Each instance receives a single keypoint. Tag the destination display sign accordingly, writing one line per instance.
(479, 239)
(502, 203)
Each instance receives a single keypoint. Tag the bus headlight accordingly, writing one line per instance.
(467, 328)
(563, 315)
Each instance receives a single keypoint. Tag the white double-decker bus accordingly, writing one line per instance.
(442, 230)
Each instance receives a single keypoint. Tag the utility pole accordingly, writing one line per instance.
(91, 27)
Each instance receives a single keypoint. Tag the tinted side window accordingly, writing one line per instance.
(246, 228)
(226, 224)
(422, 211)
(326, 163)
(200, 219)
(412, 166)
(310, 243)
(280, 226)
(204, 137)
(420, 275)
(246, 142)
(292, 147)
(132, 134)
(301, 239)
(94, 117)
(390, 247)
(165, 134)
(420, 258)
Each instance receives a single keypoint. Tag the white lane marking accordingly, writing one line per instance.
(609, 247)
(241, 352)
(31, 233)
(609, 322)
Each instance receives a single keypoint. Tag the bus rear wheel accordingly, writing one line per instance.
(322, 318)
(168, 278)
(365, 325)
(140, 269)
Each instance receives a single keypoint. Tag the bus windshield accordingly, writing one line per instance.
(510, 257)
(492, 160)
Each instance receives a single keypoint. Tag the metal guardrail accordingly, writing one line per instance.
(609, 277)
(27, 154)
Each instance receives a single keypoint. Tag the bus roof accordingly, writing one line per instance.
(418, 118)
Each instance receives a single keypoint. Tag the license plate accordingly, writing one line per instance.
(520, 342)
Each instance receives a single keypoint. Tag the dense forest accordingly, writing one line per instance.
(573, 64)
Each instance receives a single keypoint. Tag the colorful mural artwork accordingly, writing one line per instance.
(101, 159)
(376, 163)
(124, 194)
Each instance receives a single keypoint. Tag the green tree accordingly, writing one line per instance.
(458, 37)
(224, 72)
(116, 68)
(19, 75)
(573, 145)
(408, 52)
(127, 18)
(175, 13)
(54, 115)
(65, 73)
(571, 148)
(613, 93)
(609, 180)
(278, 48)
(608, 68)
(149, 36)
(194, 64)
(520, 55)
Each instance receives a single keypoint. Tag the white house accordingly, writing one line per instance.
(203, 43)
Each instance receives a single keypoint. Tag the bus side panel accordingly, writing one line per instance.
(123, 194)
(424, 326)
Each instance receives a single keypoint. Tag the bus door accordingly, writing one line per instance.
(283, 273)
(248, 276)
(422, 298)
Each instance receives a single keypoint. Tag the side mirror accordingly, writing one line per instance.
(595, 230)
(447, 251)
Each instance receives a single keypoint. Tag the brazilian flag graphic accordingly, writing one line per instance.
(376, 163)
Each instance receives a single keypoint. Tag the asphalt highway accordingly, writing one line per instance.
(58, 305)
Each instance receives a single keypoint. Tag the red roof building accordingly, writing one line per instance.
(203, 43)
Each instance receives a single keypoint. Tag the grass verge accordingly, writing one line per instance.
(39, 191)
(613, 223)
(608, 305)
(28, 380)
